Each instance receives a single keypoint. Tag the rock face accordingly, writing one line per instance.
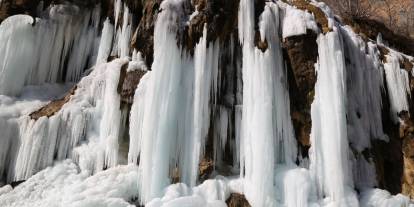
(407, 136)
(53, 107)
(237, 200)
(301, 53)
(143, 38)
(128, 82)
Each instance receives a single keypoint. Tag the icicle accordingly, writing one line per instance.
(105, 44)
(175, 117)
(61, 39)
(125, 35)
(110, 126)
(329, 152)
(86, 128)
(205, 80)
(117, 10)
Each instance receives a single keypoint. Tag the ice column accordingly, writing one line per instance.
(329, 152)
(171, 111)
(205, 76)
(267, 134)
(167, 108)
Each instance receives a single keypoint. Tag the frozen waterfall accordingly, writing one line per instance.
(205, 121)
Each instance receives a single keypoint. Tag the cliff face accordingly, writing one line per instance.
(375, 82)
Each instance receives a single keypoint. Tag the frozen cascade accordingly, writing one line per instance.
(397, 84)
(58, 38)
(85, 129)
(329, 153)
(181, 104)
(364, 78)
(174, 116)
(267, 133)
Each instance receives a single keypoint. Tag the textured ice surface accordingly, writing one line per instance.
(209, 193)
(329, 164)
(55, 48)
(297, 21)
(63, 185)
(170, 116)
(87, 128)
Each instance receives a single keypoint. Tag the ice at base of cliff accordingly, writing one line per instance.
(65, 186)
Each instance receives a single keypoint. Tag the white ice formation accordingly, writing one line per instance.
(227, 100)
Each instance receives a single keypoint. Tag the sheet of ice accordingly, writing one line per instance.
(397, 84)
(267, 134)
(297, 21)
(329, 163)
(364, 104)
(63, 185)
(62, 42)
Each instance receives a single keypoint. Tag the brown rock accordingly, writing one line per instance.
(301, 53)
(143, 38)
(206, 167)
(371, 28)
(237, 200)
(128, 83)
(53, 107)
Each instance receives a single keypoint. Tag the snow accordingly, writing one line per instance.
(64, 185)
(210, 193)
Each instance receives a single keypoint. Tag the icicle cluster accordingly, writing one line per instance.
(52, 49)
